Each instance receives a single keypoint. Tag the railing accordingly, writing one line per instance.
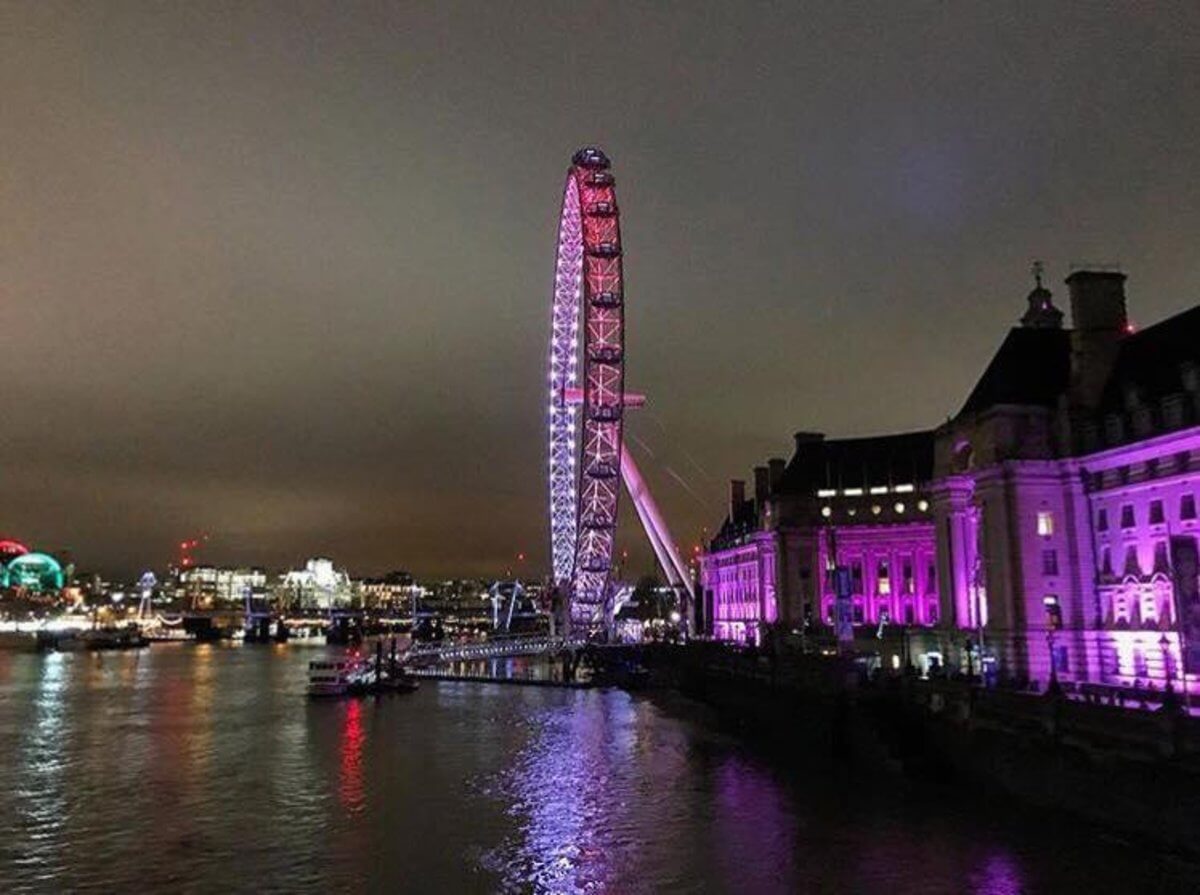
(490, 649)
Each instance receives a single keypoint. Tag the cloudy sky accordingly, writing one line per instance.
(281, 272)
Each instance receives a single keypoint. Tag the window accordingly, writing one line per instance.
(1102, 520)
(1161, 561)
(883, 581)
(908, 614)
(933, 613)
(1105, 561)
(1183, 460)
(858, 613)
(1061, 659)
(1156, 512)
(1049, 562)
(1127, 516)
(1132, 566)
(1045, 523)
(907, 573)
(1152, 467)
(1141, 668)
(1187, 507)
(1053, 611)
(1123, 475)
(856, 577)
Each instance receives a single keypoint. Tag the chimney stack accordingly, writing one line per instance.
(775, 468)
(803, 438)
(762, 486)
(1098, 301)
(737, 497)
(1099, 322)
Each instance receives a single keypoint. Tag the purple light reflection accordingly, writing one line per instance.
(999, 875)
(565, 791)
(755, 831)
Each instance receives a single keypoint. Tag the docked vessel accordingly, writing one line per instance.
(331, 678)
(356, 677)
(97, 639)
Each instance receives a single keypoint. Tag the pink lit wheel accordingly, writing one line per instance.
(585, 458)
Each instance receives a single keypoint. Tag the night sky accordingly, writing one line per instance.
(281, 272)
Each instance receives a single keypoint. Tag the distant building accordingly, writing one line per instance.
(319, 585)
(863, 501)
(1060, 502)
(395, 591)
(209, 586)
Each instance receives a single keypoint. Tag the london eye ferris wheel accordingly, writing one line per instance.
(587, 400)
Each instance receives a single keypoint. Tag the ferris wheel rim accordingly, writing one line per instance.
(585, 458)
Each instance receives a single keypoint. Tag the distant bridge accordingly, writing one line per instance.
(433, 653)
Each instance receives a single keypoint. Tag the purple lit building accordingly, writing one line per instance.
(1052, 520)
(865, 500)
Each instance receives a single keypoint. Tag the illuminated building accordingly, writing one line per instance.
(863, 501)
(207, 586)
(1060, 501)
(396, 590)
(38, 572)
(319, 585)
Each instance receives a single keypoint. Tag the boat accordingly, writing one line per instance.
(129, 637)
(356, 677)
(331, 678)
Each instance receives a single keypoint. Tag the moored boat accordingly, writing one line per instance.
(330, 678)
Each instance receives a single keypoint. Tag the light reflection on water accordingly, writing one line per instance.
(188, 768)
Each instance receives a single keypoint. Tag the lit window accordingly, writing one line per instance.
(1045, 522)
(883, 581)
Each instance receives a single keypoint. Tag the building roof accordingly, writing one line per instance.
(1151, 362)
(1032, 366)
(858, 462)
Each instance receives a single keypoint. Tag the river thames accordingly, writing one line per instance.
(189, 768)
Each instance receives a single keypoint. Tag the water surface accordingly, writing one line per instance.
(188, 768)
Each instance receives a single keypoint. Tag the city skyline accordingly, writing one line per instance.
(283, 276)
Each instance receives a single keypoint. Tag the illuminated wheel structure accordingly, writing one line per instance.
(587, 347)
